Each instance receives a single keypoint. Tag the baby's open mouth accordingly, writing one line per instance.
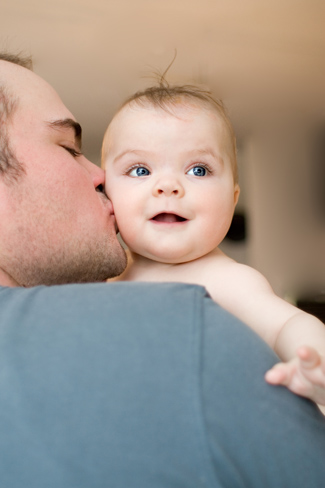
(168, 218)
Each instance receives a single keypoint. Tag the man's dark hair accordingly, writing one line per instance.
(10, 168)
(20, 59)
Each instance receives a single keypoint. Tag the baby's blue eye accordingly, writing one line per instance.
(139, 171)
(197, 171)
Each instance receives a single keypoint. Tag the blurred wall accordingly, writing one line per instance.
(285, 221)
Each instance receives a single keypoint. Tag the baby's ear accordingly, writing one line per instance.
(103, 156)
(236, 193)
(104, 150)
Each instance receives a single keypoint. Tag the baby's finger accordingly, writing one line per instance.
(309, 357)
(278, 375)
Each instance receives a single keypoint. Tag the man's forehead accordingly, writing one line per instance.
(13, 75)
(24, 84)
(36, 99)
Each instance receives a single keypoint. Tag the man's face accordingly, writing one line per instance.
(171, 181)
(55, 227)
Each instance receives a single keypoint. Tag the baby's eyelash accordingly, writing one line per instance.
(203, 165)
(208, 168)
(134, 166)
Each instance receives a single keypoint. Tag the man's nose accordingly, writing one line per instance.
(97, 174)
(168, 186)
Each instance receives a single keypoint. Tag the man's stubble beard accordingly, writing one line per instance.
(70, 264)
(39, 250)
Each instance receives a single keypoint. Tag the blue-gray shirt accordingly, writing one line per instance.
(142, 385)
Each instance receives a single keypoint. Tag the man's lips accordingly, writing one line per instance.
(110, 209)
(168, 218)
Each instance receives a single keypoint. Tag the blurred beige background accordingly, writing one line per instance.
(265, 59)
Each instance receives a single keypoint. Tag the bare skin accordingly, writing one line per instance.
(56, 223)
(170, 179)
(295, 336)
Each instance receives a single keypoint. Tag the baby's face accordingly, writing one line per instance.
(170, 179)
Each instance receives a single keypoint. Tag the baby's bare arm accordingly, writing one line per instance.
(301, 329)
(304, 375)
(297, 337)
(247, 294)
(244, 292)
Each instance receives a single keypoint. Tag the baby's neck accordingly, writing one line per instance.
(140, 268)
(143, 269)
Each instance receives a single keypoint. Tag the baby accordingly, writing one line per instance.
(171, 173)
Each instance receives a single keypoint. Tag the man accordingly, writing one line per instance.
(55, 228)
(116, 385)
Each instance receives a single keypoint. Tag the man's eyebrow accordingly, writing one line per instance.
(68, 124)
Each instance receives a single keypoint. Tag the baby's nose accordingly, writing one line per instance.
(168, 187)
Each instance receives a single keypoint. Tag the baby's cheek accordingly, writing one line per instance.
(123, 218)
(128, 235)
(109, 186)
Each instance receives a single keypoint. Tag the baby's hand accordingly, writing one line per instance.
(303, 375)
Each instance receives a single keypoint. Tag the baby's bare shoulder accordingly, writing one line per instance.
(221, 263)
(225, 277)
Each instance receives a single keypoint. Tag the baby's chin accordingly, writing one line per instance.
(168, 257)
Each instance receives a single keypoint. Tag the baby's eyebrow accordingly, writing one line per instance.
(68, 124)
(193, 153)
(206, 152)
(197, 153)
(136, 152)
